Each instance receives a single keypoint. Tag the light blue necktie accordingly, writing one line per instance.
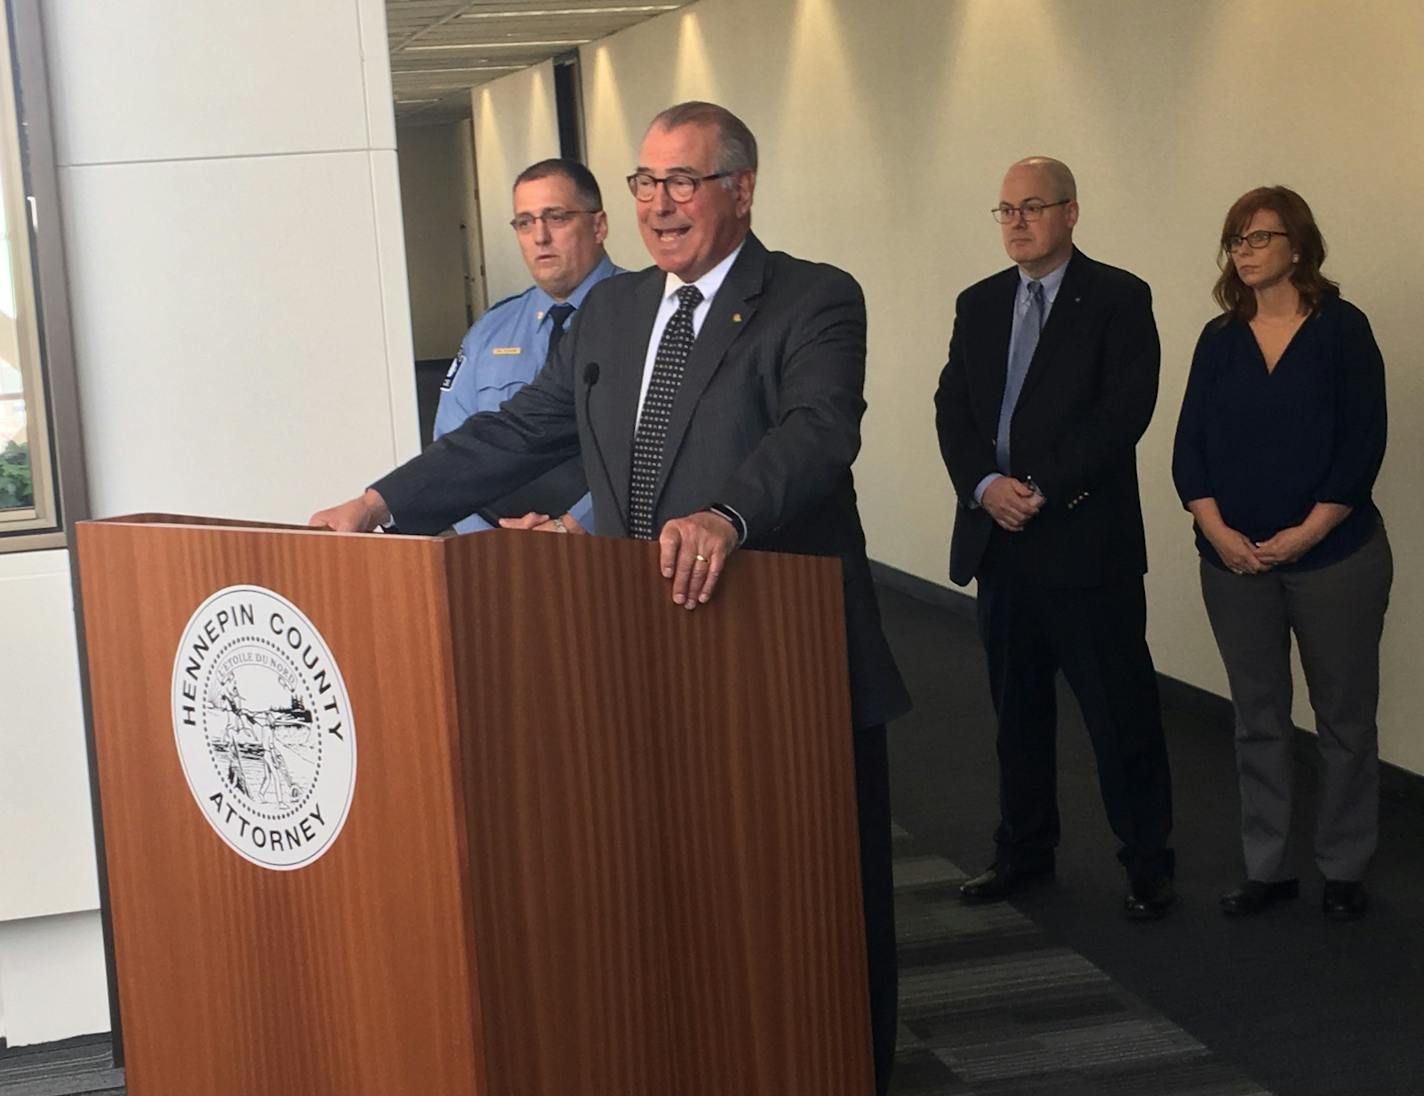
(1019, 359)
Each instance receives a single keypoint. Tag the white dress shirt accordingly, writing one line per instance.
(708, 284)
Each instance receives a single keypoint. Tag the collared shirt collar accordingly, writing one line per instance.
(710, 282)
(1051, 282)
(542, 302)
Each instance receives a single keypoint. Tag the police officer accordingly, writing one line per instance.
(560, 224)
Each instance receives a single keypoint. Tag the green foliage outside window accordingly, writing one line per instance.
(16, 487)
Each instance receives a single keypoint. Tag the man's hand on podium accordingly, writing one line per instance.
(543, 523)
(362, 514)
(694, 551)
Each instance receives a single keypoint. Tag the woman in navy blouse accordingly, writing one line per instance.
(1280, 438)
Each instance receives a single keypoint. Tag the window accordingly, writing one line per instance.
(35, 359)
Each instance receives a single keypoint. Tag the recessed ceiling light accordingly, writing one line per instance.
(500, 45)
(437, 71)
(630, 9)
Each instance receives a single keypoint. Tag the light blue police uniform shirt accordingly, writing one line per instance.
(500, 354)
(1051, 284)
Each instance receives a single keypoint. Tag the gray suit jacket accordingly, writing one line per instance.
(766, 421)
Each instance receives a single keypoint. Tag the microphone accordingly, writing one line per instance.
(590, 378)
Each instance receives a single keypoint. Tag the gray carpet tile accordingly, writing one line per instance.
(990, 1006)
(74, 1068)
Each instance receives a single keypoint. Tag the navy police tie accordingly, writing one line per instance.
(558, 315)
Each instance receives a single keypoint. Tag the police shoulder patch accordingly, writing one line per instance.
(454, 368)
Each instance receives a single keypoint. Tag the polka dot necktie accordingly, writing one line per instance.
(668, 366)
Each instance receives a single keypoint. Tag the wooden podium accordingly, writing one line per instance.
(596, 844)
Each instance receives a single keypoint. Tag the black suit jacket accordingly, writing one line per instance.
(1086, 400)
(766, 421)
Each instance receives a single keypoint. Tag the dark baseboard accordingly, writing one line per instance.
(1200, 703)
(931, 593)
(1397, 786)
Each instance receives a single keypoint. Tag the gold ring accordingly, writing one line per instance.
(700, 558)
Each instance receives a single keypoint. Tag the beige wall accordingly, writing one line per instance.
(515, 126)
(885, 129)
(433, 206)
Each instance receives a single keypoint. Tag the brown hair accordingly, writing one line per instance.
(585, 185)
(1239, 302)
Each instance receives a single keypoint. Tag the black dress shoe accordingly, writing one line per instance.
(1344, 900)
(1149, 899)
(1253, 896)
(999, 881)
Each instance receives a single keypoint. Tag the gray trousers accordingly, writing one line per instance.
(1337, 615)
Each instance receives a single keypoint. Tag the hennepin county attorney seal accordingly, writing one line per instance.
(264, 728)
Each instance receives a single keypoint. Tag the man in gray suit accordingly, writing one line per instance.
(716, 400)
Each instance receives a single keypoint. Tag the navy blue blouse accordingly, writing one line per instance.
(1269, 445)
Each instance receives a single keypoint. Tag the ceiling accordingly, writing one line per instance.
(440, 49)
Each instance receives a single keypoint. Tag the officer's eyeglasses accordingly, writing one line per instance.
(680, 187)
(553, 218)
(1031, 211)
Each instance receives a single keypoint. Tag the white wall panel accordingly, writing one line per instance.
(404, 415)
(154, 80)
(53, 979)
(46, 827)
(231, 334)
(376, 75)
(242, 335)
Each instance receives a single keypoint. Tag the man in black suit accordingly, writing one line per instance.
(1051, 380)
(716, 400)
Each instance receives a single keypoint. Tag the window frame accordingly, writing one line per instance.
(48, 376)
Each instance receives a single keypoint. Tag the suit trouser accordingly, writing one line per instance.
(1097, 636)
(872, 793)
(1337, 615)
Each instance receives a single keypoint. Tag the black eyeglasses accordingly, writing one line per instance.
(1031, 211)
(680, 187)
(553, 218)
(1260, 238)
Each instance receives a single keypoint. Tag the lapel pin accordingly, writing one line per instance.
(736, 317)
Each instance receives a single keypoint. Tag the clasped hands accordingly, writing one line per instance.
(694, 549)
(1011, 502)
(1244, 556)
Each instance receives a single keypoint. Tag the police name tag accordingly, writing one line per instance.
(507, 350)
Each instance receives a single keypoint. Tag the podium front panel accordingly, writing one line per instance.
(351, 974)
(662, 822)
